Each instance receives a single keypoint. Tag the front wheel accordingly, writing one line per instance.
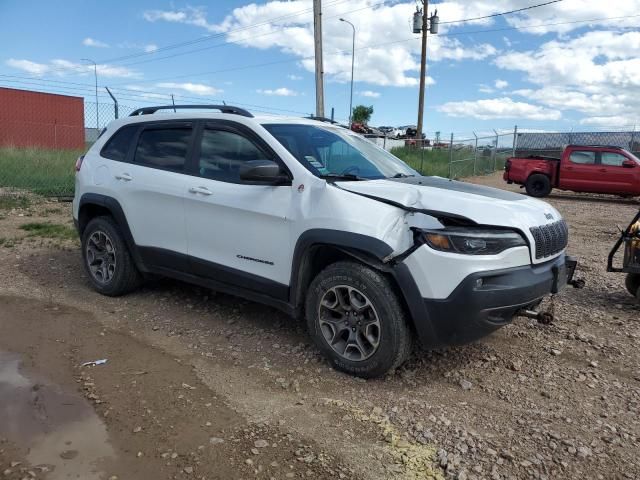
(538, 185)
(632, 282)
(356, 319)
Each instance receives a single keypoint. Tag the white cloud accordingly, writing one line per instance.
(500, 84)
(90, 42)
(591, 12)
(395, 63)
(62, 67)
(190, 15)
(279, 92)
(596, 73)
(291, 76)
(28, 66)
(612, 121)
(498, 108)
(369, 93)
(196, 88)
(151, 47)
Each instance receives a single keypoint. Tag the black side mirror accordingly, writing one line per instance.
(263, 172)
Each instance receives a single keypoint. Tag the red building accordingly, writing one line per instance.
(37, 119)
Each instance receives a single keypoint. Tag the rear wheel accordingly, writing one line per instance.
(356, 319)
(106, 258)
(632, 282)
(538, 185)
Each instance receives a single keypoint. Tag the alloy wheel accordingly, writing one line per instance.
(349, 323)
(101, 256)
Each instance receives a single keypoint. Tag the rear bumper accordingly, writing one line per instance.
(485, 301)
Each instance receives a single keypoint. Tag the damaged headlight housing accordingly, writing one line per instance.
(471, 241)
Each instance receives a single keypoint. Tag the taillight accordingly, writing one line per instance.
(79, 163)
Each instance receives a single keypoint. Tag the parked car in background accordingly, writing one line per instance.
(386, 130)
(317, 221)
(581, 168)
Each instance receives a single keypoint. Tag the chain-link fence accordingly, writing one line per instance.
(552, 144)
(38, 154)
(459, 157)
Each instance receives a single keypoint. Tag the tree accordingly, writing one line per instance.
(362, 114)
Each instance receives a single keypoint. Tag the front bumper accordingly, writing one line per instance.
(485, 301)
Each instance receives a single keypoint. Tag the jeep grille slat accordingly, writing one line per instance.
(550, 239)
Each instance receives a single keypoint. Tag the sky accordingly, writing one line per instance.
(572, 65)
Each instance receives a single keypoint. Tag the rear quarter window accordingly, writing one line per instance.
(117, 147)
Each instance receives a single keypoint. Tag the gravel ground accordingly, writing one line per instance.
(204, 385)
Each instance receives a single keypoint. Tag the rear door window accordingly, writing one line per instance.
(583, 157)
(164, 148)
(118, 145)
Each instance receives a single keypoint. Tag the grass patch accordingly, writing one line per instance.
(465, 161)
(7, 242)
(9, 202)
(45, 172)
(49, 230)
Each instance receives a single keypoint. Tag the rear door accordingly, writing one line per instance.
(238, 234)
(613, 176)
(579, 171)
(151, 186)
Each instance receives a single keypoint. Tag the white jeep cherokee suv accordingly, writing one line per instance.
(315, 220)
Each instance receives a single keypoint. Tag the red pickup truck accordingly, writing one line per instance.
(593, 169)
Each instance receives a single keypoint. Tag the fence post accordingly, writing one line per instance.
(450, 156)
(475, 154)
(495, 150)
(633, 134)
(515, 140)
(115, 103)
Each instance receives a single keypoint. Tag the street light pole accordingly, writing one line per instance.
(95, 74)
(353, 56)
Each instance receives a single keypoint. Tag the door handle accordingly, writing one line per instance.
(200, 190)
(603, 170)
(125, 177)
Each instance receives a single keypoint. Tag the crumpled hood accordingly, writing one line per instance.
(483, 205)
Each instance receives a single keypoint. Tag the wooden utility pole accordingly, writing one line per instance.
(317, 37)
(423, 68)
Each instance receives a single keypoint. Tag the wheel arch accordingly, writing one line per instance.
(92, 205)
(318, 248)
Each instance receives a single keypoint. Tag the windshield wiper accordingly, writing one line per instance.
(342, 176)
(402, 175)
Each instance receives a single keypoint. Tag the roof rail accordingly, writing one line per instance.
(321, 119)
(222, 108)
(327, 120)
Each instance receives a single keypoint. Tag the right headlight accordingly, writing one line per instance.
(472, 241)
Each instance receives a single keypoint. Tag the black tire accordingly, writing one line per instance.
(394, 334)
(538, 185)
(632, 282)
(125, 277)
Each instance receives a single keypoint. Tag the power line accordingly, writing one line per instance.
(205, 38)
(340, 52)
(502, 13)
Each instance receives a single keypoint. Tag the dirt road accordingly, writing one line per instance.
(204, 385)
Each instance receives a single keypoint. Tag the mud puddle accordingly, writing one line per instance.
(58, 431)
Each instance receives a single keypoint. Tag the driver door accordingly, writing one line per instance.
(238, 234)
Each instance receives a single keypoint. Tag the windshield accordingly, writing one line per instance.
(335, 152)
